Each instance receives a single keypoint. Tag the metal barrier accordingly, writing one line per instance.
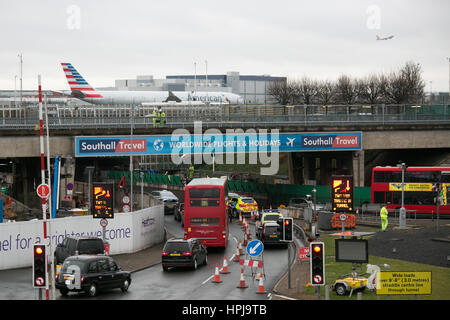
(223, 116)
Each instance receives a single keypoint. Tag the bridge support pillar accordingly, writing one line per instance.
(358, 168)
(67, 176)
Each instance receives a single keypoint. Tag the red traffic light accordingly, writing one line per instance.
(286, 222)
(38, 250)
(317, 249)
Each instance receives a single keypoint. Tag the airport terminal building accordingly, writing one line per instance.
(252, 88)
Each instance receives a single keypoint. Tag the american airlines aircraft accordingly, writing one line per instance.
(81, 89)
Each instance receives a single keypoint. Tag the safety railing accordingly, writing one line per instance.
(224, 116)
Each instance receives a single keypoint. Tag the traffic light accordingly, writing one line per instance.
(39, 266)
(288, 229)
(317, 266)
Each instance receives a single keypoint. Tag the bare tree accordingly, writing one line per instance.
(346, 90)
(404, 86)
(306, 90)
(326, 91)
(281, 91)
(370, 89)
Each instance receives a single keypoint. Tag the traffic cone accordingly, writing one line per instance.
(216, 275)
(248, 234)
(245, 239)
(252, 216)
(225, 266)
(259, 274)
(240, 219)
(237, 254)
(261, 286)
(241, 251)
(242, 283)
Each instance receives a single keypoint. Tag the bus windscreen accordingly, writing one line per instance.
(204, 193)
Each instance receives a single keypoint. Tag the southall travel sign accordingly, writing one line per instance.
(229, 142)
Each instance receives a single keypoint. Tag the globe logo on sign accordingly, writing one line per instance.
(158, 145)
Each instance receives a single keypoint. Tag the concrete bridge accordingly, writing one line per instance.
(405, 132)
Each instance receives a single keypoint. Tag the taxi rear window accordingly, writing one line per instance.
(68, 263)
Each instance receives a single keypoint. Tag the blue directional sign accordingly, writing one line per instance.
(100, 146)
(255, 248)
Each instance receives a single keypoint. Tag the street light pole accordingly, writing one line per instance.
(21, 65)
(402, 217)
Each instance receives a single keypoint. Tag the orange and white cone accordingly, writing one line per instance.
(240, 219)
(216, 275)
(237, 254)
(245, 240)
(242, 283)
(248, 234)
(259, 274)
(241, 251)
(225, 266)
(261, 286)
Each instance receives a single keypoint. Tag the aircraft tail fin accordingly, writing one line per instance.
(77, 84)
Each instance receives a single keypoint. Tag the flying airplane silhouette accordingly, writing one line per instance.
(386, 38)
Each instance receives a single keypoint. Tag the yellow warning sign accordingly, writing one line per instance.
(403, 282)
(411, 187)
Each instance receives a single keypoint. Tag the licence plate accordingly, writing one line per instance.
(68, 277)
(175, 254)
(68, 282)
(273, 236)
(170, 206)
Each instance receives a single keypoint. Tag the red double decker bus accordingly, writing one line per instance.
(205, 211)
(421, 185)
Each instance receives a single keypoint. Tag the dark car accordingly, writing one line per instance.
(270, 234)
(91, 274)
(179, 252)
(305, 203)
(179, 213)
(168, 199)
(72, 246)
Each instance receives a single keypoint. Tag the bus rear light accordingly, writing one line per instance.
(165, 253)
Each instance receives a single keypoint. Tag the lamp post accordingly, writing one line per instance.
(89, 169)
(402, 217)
(21, 68)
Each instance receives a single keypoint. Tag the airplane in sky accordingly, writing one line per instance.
(81, 89)
(386, 38)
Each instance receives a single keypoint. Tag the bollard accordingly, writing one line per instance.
(327, 292)
(298, 285)
(359, 296)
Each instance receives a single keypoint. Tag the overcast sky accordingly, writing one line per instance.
(109, 40)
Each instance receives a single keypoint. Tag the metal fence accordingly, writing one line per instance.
(122, 116)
